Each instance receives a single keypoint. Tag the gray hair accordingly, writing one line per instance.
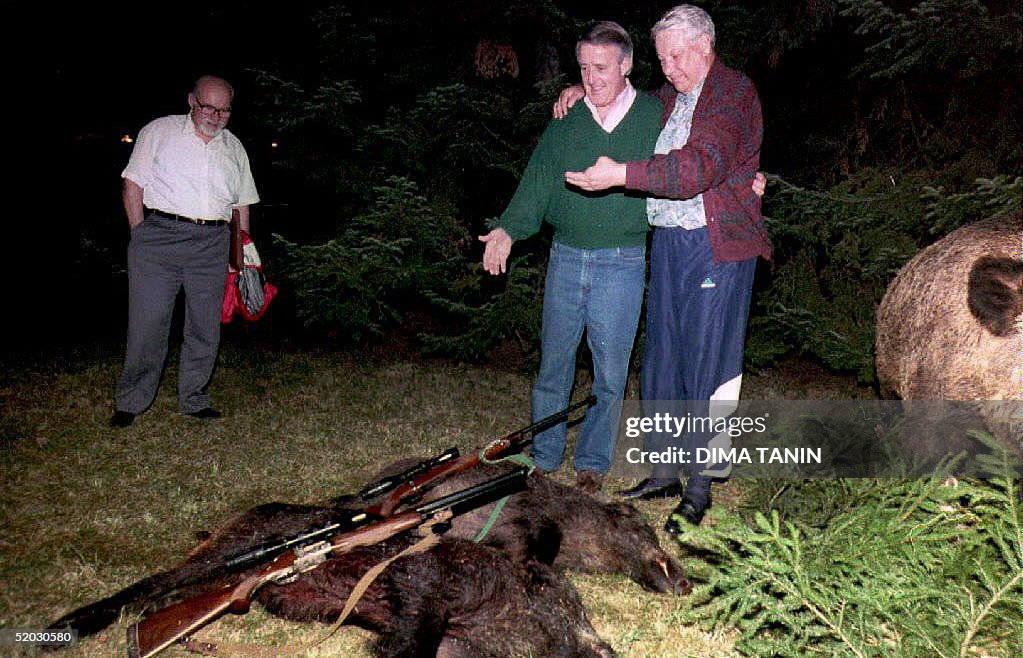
(693, 20)
(607, 33)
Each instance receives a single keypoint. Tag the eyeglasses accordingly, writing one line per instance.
(212, 109)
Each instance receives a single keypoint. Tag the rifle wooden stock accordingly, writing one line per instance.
(168, 625)
(411, 489)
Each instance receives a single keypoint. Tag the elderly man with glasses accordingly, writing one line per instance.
(186, 175)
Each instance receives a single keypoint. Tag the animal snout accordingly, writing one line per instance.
(666, 577)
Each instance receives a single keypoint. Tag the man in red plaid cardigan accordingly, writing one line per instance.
(708, 233)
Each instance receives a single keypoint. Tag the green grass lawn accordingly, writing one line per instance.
(88, 509)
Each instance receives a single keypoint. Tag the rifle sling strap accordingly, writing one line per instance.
(239, 650)
(517, 458)
(428, 541)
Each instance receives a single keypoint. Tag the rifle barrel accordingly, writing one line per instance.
(553, 419)
(384, 485)
(168, 625)
(271, 549)
(478, 496)
(411, 489)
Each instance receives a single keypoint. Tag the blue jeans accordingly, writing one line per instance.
(600, 290)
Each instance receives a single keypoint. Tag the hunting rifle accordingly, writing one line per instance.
(409, 489)
(270, 549)
(168, 625)
(391, 482)
(404, 487)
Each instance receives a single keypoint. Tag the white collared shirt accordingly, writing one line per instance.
(619, 108)
(181, 174)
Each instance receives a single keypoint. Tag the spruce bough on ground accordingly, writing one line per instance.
(88, 510)
(894, 568)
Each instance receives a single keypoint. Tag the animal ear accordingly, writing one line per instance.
(995, 294)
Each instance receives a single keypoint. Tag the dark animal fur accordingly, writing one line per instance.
(596, 535)
(203, 565)
(459, 599)
(995, 293)
(547, 524)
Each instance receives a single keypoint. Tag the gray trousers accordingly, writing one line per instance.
(165, 256)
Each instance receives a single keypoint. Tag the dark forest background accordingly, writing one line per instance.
(384, 136)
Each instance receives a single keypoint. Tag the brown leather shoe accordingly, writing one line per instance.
(589, 481)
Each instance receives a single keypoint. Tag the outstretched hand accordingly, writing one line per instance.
(604, 173)
(569, 96)
(495, 255)
(759, 184)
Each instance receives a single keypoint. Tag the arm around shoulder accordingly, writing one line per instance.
(726, 131)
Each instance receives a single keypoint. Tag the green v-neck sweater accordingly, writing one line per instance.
(585, 220)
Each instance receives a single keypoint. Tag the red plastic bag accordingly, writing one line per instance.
(247, 293)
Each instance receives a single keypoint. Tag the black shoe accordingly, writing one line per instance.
(688, 511)
(652, 489)
(205, 414)
(121, 419)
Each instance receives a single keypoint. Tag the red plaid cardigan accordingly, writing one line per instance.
(719, 161)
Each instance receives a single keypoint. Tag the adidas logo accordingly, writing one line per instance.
(708, 283)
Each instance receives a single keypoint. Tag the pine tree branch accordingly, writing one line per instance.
(984, 611)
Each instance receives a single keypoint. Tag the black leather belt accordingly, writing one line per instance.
(181, 218)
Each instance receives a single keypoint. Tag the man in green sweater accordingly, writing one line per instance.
(596, 269)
